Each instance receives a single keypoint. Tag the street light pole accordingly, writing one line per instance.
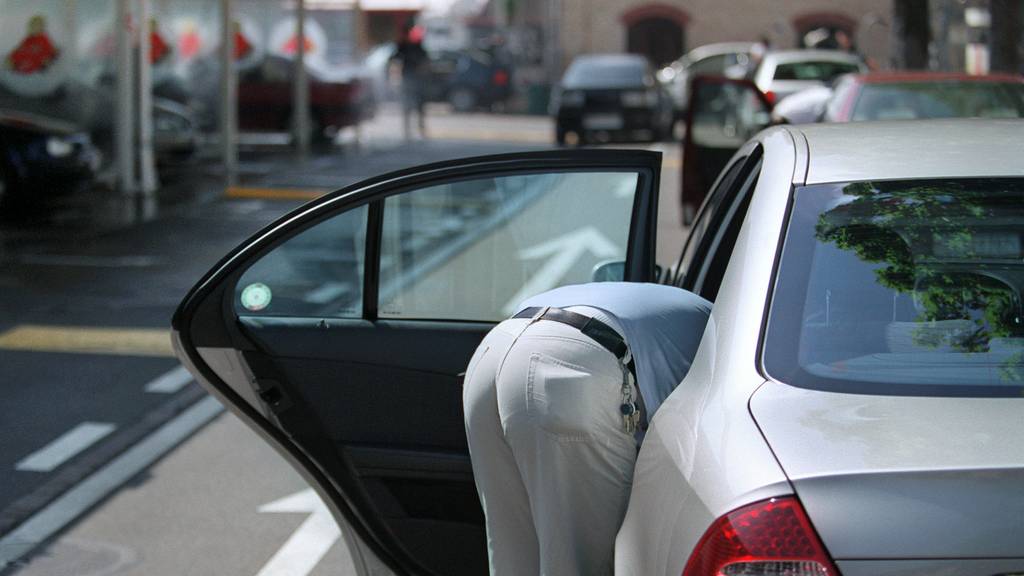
(228, 94)
(300, 90)
(124, 123)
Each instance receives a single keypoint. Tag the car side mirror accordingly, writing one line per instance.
(615, 271)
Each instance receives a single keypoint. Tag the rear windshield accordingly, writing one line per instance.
(903, 287)
(821, 71)
(610, 73)
(908, 101)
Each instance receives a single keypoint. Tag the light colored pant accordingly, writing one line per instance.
(552, 461)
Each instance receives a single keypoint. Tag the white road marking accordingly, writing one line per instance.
(306, 546)
(65, 447)
(65, 509)
(170, 382)
(563, 251)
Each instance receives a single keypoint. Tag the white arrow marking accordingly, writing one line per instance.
(564, 252)
(307, 545)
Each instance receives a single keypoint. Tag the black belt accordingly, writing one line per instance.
(593, 328)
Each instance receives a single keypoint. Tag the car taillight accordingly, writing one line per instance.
(769, 538)
(500, 78)
(770, 97)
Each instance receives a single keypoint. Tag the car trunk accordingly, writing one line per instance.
(903, 477)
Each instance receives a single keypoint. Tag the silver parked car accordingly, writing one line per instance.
(786, 72)
(731, 59)
(854, 406)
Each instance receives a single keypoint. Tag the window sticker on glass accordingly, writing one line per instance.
(256, 297)
(316, 273)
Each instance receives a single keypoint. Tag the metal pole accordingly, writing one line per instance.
(147, 161)
(300, 90)
(124, 128)
(361, 41)
(229, 94)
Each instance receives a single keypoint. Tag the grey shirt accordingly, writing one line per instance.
(661, 324)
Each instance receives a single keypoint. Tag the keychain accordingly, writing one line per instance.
(629, 409)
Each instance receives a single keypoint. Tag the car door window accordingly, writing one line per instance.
(711, 249)
(473, 249)
(710, 276)
(318, 272)
(704, 219)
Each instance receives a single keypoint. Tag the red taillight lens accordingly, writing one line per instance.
(770, 97)
(500, 78)
(769, 538)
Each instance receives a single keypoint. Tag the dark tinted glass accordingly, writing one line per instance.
(821, 71)
(606, 73)
(908, 101)
(908, 288)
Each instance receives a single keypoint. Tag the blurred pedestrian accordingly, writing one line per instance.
(414, 61)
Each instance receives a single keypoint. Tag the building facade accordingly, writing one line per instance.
(664, 30)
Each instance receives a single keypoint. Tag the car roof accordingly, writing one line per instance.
(923, 76)
(610, 59)
(719, 48)
(894, 150)
(785, 56)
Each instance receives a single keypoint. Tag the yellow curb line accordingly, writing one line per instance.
(274, 193)
(88, 340)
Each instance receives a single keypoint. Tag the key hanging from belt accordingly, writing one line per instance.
(629, 408)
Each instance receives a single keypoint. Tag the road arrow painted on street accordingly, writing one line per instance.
(562, 253)
(307, 545)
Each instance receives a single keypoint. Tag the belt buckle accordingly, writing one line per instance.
(539, 314)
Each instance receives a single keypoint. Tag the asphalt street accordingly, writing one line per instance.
(97, 413)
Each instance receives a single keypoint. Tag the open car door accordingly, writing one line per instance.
(723, 114)
(341, 332)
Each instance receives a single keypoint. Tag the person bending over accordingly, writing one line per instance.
(556, 399)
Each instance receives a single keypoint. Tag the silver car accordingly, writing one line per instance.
(786, 72)
(854, 406)
(731, 59)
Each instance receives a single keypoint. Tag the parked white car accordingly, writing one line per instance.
(730, 59)
(786, 72)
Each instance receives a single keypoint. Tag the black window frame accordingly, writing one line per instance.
(723, 206)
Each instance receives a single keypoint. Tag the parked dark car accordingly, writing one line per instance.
(336, 99)
(605, 97)
(175, 135)
(469, 79)
(42, 158)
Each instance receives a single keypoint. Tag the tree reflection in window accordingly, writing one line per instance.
(954, 246)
